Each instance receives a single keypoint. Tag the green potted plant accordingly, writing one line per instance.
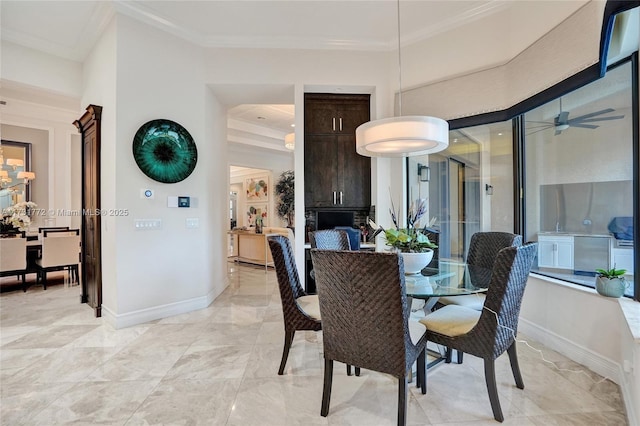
(284, 190)
(611, 282)
(411, 241)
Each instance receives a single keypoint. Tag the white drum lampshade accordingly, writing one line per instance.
(402, 136)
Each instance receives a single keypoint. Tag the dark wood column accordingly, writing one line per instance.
(89, 127)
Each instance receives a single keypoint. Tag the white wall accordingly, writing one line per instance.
(38, 69)
(148, 86)
(587, 328)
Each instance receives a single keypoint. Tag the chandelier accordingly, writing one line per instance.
(402, 136)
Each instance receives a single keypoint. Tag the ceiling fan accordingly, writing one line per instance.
(563, 122)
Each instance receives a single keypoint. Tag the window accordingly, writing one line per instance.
(470, 186)
(578, 152)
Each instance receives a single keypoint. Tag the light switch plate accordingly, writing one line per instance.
(172, 201)
(192, 222)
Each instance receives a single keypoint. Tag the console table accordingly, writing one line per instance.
(254, 248)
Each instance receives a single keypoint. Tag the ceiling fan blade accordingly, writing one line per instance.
(593, 114)
(591, 120)
(557, 132)
(538, 130)
(539, 126)
(585, 126)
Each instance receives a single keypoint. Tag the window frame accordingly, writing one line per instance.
(516, 114)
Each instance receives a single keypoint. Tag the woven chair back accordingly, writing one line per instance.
(286, 271)
(483, 250)
(498, 322)
(329, 239)
(364, 309)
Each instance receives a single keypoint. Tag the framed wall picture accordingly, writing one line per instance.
(256, 210)
(257, 188)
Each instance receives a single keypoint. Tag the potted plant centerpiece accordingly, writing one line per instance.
(611, 282)
(411, 241)
(16, 218)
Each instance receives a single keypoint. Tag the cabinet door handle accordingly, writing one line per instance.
(340, 197)
(334, 124)
(334, 198)
(340, 129)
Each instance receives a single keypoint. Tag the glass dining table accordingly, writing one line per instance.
(451, 278)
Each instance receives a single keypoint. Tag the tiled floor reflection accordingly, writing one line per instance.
(218, 366)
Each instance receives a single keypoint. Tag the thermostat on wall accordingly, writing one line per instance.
(184, 201)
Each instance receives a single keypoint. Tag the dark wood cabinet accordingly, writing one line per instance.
(335, 175)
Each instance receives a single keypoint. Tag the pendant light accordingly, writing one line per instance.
(402, 136)
(290, 141)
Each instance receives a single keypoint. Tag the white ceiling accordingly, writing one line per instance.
(69, 29)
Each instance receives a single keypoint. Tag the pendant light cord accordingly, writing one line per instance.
(399, 64)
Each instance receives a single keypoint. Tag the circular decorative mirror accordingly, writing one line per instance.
(164, 151)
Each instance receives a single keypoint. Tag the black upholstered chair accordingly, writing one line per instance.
(487, 334)
(365, 319)
(300, 311)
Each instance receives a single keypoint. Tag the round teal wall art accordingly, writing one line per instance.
(164, 151)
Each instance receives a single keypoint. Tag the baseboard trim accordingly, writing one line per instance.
(141, 316)
(595, 362)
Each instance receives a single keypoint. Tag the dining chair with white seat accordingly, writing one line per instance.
(13, 258)
(59, 252)
(363, 303)
(300, 310)
(492, 331)
(483, 250)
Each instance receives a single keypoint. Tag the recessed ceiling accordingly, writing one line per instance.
(70, 28)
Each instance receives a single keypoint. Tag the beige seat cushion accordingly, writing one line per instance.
(452, 320)
(416, 331)
(310, 305)
(471, 301)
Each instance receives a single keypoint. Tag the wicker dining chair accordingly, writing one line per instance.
(483, 250)
(363, 304)
(300, 310)
(331, 239)
(487, 334)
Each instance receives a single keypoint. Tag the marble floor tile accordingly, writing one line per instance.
(50, 337)
(188, 402)
(278, 401)
(89, 403)
(218, 366)
(23, 401)
(64, 365)
(138, 363)
(211, 362)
